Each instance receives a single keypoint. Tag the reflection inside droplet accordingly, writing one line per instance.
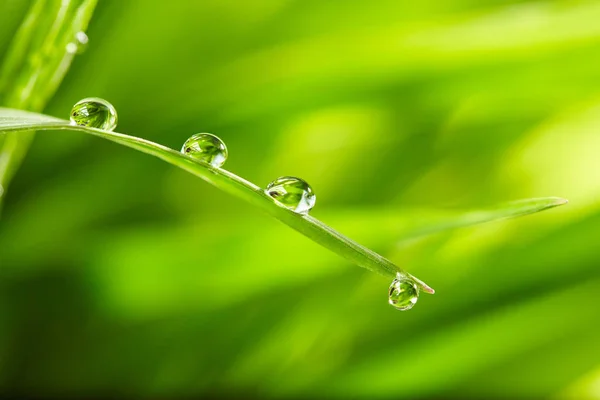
(293, 193)
(404, 293)
(206, 147)
(94, 112)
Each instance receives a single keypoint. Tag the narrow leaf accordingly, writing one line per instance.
(35, 65)
(23, 121)
(500, 212)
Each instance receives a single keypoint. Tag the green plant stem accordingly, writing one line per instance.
(14, 121)
(35, 65)
(18, 121)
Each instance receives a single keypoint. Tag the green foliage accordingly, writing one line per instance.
(114, 265)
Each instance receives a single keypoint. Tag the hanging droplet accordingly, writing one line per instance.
(404, 293)
(79, 43)
(292, 193)
(94, 113)
(206, 147)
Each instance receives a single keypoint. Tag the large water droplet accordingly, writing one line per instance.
(404, 293)
(292, 193)
(79, 43)
(206, 147)
(94, 113)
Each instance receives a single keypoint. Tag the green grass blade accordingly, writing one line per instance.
(17, 120)
(35, 65)
(23, 121)
(500, 212)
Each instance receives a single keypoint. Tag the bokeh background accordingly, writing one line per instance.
(122, 275)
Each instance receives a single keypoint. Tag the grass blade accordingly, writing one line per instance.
(35, 65)
(23, 121)
(503, 211)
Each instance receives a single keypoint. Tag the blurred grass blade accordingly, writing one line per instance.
(21, 121)
(503, 211)
(35, 65)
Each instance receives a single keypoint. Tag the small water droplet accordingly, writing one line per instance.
(79, 43)
(292, 193)
(404, 293)
(206, 147)
(94, 113)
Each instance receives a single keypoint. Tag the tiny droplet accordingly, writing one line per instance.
(293, 193)
(206, 147)
(404, 293)
(94, 112)
(79, 43)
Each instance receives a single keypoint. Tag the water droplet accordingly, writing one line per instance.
(404, 293)
(292, 193)
(79, 43)
(206, 147)
(94, 113)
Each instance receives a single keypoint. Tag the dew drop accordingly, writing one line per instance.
(206, 147)
(292, 193)
(79, 43)
(404, 293)
(94, 112)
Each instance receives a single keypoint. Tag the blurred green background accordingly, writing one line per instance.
(121, 275)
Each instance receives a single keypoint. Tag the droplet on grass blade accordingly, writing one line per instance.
(94, 112)
(79, 43)
(206, 147)
(404, 293)
(293, 193)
